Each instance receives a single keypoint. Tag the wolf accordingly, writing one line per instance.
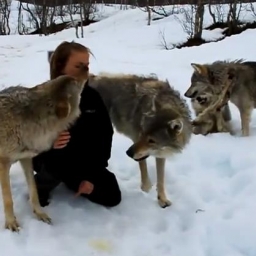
(211, 119)
(31, 120)
(201, 100)
(243, 93)
(152, 114)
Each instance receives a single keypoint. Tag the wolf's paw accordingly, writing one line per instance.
(164, 202)
(43, 216)
(12, 224)
(146, 186)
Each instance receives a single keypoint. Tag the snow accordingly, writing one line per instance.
(212, 184)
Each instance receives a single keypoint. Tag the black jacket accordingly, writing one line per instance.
(89, 149)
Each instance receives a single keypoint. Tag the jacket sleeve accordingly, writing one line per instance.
(102, 143)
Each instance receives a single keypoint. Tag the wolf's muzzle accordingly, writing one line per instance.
(131, 154)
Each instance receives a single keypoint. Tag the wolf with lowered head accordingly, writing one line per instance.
(152, 114)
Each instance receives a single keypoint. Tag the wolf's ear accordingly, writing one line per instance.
(176, 125)
(201, 69)
(62, 108)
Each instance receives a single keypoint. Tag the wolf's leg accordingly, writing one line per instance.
(226, 113)
(161, 196)
(222, 125)
(219, 122)
(33, 194)
(227, 127)
(145, 180)
(245, 114)
(10, 219)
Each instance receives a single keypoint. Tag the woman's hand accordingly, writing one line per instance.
(85, 187)
(62, 140)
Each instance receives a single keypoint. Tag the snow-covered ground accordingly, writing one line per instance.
(216, 173)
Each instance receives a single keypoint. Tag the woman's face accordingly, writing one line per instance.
(76, 60)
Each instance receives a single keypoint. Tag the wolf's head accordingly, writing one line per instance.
(67, 93)
(205, 76)
(163, 133)
(205, 96)
(62, 95)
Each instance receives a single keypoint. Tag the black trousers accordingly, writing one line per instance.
(106, 190)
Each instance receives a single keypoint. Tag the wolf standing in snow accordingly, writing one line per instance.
(202, 97)
(152, 114)
(242, 94)
(31, 119)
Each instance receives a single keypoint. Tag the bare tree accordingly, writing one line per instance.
(217, 12)
(42, 17)
(123, 5)
(163, 42)
(147, 9)
(149, 13)
(5, 10)
(22, 28)
(72, 9)
(85, 12)
(192, 20)
(31, 17)
(82, 11)
(61, 12)
(161, 10)
(252, 9)
(233, 15)
(199, 19)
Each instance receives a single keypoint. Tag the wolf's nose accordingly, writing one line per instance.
(129, 152)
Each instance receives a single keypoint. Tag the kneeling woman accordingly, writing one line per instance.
(79, 157)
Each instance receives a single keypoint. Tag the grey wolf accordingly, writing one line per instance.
(152, 114)
(211, 118)
(85, 157)
(243, 93)
(201, 98)
(31, 119)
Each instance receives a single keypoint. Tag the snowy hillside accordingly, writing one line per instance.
(216, 173)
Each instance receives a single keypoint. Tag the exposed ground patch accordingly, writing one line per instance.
(229, 30)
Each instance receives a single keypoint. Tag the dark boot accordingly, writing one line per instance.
(45, 183)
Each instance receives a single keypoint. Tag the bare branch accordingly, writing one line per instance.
(253, 9)
(163, 40)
